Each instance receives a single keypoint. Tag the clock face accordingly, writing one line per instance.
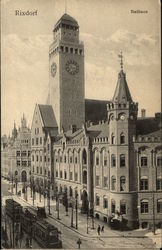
(122, 117)
(53, 69)
(72, 67)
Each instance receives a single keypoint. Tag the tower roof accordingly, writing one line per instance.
(122, 93)
(66, 19)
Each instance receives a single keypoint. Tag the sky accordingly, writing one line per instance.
(106, 28)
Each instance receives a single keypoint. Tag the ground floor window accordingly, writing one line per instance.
(144, 207)
(113, 206)
(123, 207)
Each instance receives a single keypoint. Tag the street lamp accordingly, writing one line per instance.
(48, 197)
(76, 207)
(87, 214)
(57, 205)
(71, 213)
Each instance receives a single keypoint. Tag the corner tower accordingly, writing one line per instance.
(122, 117)
(66, 80)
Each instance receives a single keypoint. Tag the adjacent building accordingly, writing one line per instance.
(15, 154)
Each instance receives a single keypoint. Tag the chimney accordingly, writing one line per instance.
(73, 128)
(143, 113)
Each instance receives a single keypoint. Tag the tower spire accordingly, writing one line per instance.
(121, 60)
(65, 6)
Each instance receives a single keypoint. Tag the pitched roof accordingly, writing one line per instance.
(48, 116)
(95, 110)
(122, 93)
(67, 19)
(148, 126)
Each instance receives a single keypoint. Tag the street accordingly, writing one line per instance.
(69, 235)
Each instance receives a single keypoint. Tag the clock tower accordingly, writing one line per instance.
(122, 118)
(66, 80)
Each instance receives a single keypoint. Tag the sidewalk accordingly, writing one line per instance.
(82, 223)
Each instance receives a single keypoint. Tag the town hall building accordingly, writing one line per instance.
(100, 150)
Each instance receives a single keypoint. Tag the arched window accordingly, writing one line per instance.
(105, 202)
(113, 160)
(84, 159)
(97, 200)
(122, 183)
(159, 206)
(112, 139)
(85, 177)
(144, 183)
(122, 138)
(113, 206)
(97, 158)
(123, 207)
(113, 183)
(144, 207)
(122, 160)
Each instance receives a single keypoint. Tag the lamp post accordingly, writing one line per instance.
(16, 184)
(57, 205)
(76, 207)
(87, 214)
(33, 191)
(31, 187)
(49, 198)
(72, 214)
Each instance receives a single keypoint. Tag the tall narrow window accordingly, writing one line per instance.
(122, 183)
(113, 160)
(97, 200)
(84, 159)
(113, 183)
(112, 139)
(113, 206)
(159, 206)
(105, 202)
(122, 138)
(143, 161)
(144, 183)
(97, 180)
(159, 161)
(159, 183)
(123, 207)
(122, 160)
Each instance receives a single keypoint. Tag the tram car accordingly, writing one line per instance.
(13, 209)
(46, 235)
(28, 217)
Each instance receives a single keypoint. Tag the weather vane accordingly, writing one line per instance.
(121, 61)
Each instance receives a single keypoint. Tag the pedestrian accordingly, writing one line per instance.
(102, 229)
(98, 229)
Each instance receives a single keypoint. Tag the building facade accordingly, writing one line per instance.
(15, 152)
(111, 160)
